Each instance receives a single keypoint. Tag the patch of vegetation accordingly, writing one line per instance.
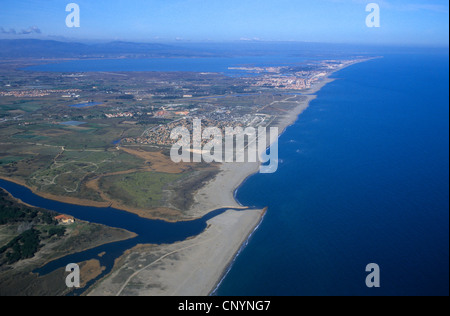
(22, 247)
(38, 225)
(56, 230)
(126, 97)
(140, 189)
(11, 212)
(187, 186)
(66, 175)
(9, 159)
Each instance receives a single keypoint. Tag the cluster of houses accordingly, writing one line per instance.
(121, 114)
(64, 219)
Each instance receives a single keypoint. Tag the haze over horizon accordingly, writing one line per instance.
(417, 22)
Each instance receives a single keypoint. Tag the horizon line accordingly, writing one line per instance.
(242, 41)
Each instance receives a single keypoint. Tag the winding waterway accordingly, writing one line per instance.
(148, 231)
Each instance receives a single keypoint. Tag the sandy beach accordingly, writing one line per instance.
(194, 267)
(219, 192)
(189, 268)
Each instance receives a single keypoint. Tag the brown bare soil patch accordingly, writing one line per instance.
(157, 161)
(89, 270)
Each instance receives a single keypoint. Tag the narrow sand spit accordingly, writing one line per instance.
(189, 268)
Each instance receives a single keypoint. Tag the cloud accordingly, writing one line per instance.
(11, 31)
(247, 39)
(30, 30)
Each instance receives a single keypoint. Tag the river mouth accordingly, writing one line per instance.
(148, 231)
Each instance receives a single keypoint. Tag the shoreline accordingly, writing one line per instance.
(233, 260)
(187, 268)
(248, 171)
(285, 123)
(202, 263)
(227, 235)
(233, 175)
(288, 121)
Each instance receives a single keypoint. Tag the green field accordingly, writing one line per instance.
(65, 175)
(140, 189)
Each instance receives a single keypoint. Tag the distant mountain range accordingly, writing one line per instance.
(31, 48)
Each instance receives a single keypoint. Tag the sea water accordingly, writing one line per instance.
(363, 178)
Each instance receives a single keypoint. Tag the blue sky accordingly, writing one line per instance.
(413, 22)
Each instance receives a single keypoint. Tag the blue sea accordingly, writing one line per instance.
(213, 64)
(364, 179)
